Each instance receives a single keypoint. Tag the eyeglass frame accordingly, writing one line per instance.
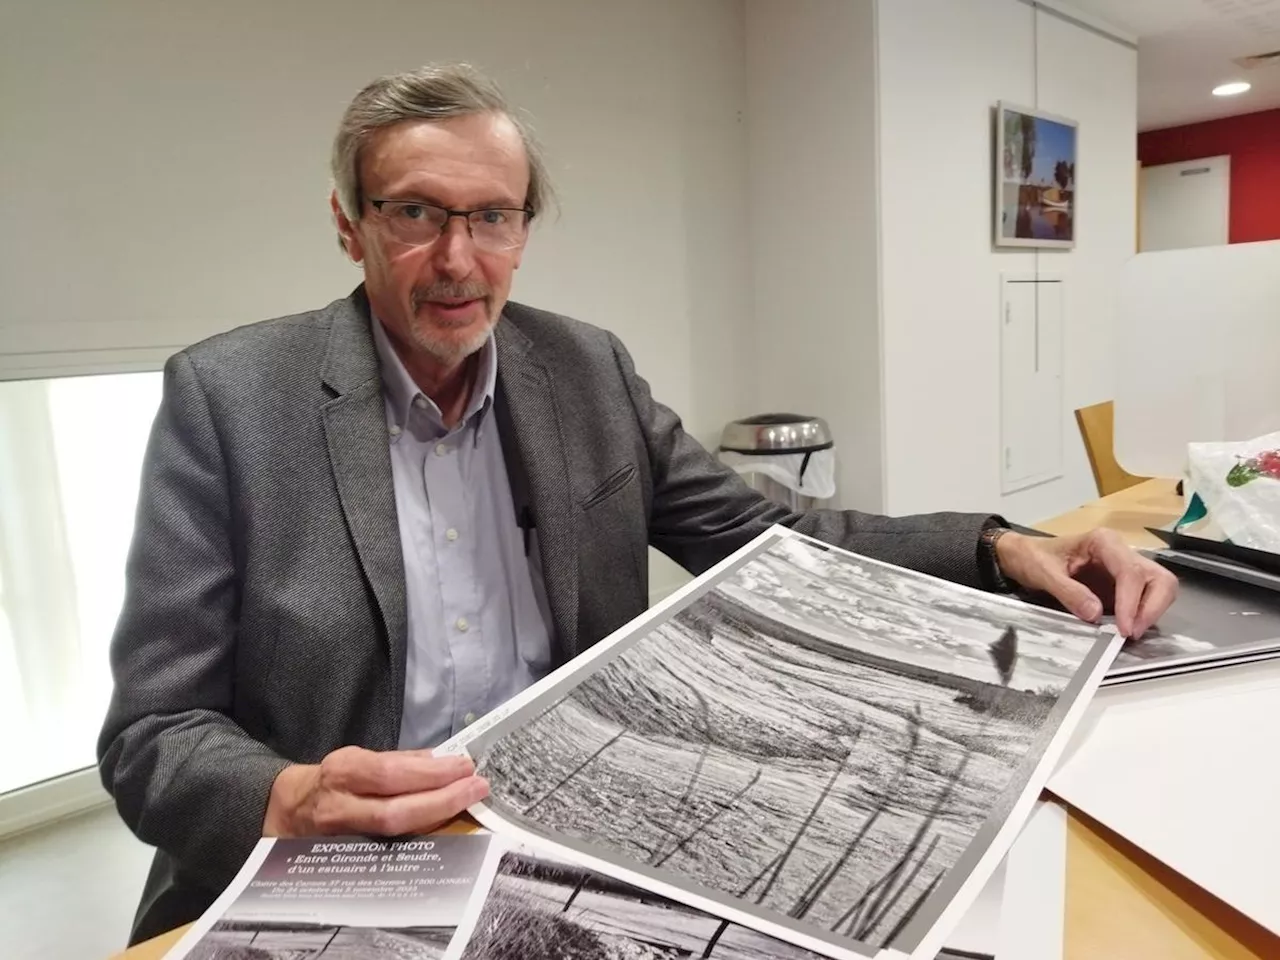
(450, 214)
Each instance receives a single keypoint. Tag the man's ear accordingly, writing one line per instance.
(346, 230)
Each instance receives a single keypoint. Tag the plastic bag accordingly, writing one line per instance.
(1238, 486)
(814, 478)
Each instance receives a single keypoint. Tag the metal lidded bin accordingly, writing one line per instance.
(788, 443)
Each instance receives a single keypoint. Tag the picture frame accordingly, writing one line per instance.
(1035, 195)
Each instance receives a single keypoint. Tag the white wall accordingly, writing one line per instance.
(811, 117)
(90, 868)
(1093, 80)
(943, 66)
(717, 162)
(166, 173)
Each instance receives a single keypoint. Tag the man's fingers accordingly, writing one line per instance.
(390, 773)
(1128, 572)
(1161, 590)
(423, 812)
(1075, 596)
(395, 816)
(1140, 590)
(1130, 585)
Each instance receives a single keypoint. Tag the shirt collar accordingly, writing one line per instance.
(401, 390)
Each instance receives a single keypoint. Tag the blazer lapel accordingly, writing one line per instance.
(355, 427)
(525, 391)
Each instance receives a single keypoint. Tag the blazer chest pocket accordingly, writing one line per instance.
(615, 482)
(613, 539)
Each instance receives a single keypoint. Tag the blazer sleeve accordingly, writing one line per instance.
(184, 776)
(702, 510)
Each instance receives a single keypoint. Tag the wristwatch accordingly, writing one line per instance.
(988, 562)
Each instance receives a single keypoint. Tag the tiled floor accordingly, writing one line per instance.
(68, 891)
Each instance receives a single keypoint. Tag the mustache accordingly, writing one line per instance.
(450, 290)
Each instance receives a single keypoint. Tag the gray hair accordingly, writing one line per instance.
(432, 92)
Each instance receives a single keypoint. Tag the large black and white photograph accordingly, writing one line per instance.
(1214, 621)
(346, 898)
(539, 906)
(827, 742)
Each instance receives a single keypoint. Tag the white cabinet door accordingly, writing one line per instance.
(1186, 204)
(1031, 414)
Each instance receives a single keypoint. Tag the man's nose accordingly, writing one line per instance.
(454, 252)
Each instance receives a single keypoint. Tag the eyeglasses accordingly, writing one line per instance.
(417, 223)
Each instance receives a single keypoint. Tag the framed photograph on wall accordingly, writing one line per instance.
(1035, 189)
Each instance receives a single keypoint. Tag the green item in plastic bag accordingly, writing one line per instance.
(1265, 464)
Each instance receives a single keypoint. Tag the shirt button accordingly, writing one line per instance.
(394, 430)
(451, 534)
(420, 402)
(469, 719)
(441, 449)
(462, 625)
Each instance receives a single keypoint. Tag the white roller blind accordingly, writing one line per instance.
(71, 450)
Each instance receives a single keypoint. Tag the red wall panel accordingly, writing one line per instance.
(1252, 140)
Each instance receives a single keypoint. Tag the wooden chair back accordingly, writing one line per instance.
(1097, 429)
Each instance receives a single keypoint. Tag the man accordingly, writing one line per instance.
(360, 528)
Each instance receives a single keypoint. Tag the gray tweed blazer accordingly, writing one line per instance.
(264, 616)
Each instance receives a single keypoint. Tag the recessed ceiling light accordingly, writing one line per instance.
(1231, 89)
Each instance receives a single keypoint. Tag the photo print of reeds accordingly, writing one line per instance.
(818, 737)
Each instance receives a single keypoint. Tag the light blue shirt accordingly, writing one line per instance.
(477, 614)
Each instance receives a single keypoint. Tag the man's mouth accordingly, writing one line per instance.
(452, 308)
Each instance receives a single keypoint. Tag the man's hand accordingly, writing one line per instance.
(354, 790)
(1089, 574)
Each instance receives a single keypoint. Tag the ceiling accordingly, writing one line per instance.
(1186, 48)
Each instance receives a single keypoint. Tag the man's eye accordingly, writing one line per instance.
(494, 217)
(413, 211)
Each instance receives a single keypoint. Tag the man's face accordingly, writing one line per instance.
(441, 299)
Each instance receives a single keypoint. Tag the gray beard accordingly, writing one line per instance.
(451, 352)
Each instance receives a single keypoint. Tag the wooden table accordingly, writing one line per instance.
(1121, 903)
(1152, 503)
